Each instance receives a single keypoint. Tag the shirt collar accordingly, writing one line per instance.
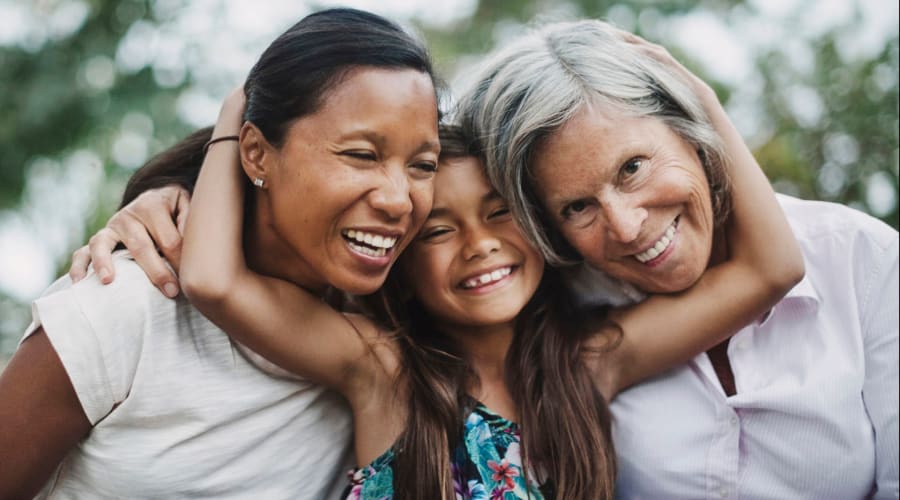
(803, 294)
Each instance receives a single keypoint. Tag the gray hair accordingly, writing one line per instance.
(537, 83)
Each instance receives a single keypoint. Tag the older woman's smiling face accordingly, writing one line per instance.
(630, 196)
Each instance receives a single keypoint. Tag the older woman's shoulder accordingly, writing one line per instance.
(812, 219)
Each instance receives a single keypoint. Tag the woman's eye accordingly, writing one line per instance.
(574, 208)
(360, 155)
(632, 166)
(426, 166)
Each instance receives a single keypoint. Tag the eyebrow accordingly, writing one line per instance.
(380, 139)
(444, 212)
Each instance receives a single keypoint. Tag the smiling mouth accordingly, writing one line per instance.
(371, 244)
(661, 245)
(486, 279)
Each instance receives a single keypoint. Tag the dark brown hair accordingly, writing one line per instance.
(291, 79)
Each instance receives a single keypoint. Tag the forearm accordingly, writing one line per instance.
(759, 236)
(212, 255)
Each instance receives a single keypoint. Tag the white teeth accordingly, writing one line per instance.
(659, 247)
(372, 252)
(484, 279)
(375, 240)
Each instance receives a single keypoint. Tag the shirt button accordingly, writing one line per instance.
(724, 493)
(734, 420)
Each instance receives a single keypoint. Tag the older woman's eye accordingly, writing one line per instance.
(574, 208)
(632, 166)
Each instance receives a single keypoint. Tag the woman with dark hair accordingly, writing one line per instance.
(118, 392)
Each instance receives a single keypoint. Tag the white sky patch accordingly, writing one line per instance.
(706, 38)
(433, 13)
(26, 265)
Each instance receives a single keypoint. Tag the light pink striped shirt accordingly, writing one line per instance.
(816, 410)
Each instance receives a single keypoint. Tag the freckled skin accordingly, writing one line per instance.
(471, 231)
(315, 189)
(629, 178)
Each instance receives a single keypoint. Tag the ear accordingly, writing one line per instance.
(258, 156)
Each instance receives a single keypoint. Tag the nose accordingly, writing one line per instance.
(480, 243)
(624, 217)
(392, 195)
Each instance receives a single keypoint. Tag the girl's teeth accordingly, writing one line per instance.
(486, 278)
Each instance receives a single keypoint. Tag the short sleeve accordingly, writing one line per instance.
(97, 331)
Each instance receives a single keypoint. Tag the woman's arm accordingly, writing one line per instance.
(763, 264)
(41, 418)
(281, 321)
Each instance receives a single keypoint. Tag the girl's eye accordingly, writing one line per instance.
(632, 166)
(500, 212)
(432, 233)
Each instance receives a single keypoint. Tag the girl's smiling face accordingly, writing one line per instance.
(470, 266)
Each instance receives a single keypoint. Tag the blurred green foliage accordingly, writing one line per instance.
(53, 104)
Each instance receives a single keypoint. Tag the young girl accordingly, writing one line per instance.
(473, 374)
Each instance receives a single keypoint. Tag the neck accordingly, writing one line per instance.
(268, 254)
(485, 348)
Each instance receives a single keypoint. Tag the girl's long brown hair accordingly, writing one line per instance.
(565, 422)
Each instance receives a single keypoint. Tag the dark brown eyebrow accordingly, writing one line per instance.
(444, 212)
(380, 139)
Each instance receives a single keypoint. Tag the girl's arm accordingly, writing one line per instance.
(279, 320)
(764, 263)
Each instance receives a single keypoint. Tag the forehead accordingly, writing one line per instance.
(367, 97)
(460, 180)
(590, 147)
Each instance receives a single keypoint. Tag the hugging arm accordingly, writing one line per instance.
(279, 320)
(153, 221)
(763, 264)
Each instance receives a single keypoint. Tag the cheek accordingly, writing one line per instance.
(587, 241)
(421, 194)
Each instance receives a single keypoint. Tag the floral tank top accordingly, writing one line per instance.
(486, 465)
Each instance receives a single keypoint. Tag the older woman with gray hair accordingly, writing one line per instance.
(585, 131)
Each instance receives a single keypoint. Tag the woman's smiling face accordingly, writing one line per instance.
(470, 266)
(353, 182)
(630, 196)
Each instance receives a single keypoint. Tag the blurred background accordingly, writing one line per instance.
(91, 89)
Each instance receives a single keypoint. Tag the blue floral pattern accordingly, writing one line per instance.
(486, 465)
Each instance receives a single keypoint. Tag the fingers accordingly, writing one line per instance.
(182, 208)
(81, 258)
(100, 248)
(149, 223)
(663, 56)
